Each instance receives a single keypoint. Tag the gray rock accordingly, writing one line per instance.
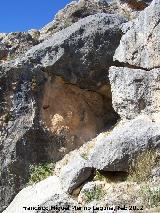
(21, 130)
(155, 172)
(44, 194)
(81, 53)
(3, 51)
(61, 203)
(140, 46)
(124, 143)
(75, 173)
(135, 91)
(73, 12)
(16, 44)
(18, 147)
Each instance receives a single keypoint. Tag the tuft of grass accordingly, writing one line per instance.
(151, 197)
(143, 167)
(40, 172)
(99, 176)
(95, 194)
(84, 156)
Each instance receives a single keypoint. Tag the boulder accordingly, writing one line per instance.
(114, 152)
(140, 46)
(75, 173)
(135, 91)
(119, 149)
(81, 53)
(40, 197)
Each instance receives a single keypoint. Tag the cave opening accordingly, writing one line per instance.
(71, 116)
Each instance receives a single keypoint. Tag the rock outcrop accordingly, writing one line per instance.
(135, 91)
(63, 85)
(117, 151)
(81, 53)
(72, 13)
(139, 47)
(79, 107)
(14, 45)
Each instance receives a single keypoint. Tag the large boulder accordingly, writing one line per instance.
(111, 152)
(41, 197)
(81, 53)
(119, 149)
(135, 91)
(140, 46)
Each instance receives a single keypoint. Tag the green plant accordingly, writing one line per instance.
(84, 155)
(143, 166)
(99, 176)
(151, 197)
(40, 172)
(95, 194)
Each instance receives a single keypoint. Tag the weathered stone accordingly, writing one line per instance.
(57, 95)
(72, 13)
(36, 195)
(75, 173)
(136, 4)
(61, 203)
(16, 44)
(34, 117)
(87, 45)
(18, 147)
(135, 91)
(140, 46)
(119, 149)
(3, 51)
(91, 188)
(73, 115)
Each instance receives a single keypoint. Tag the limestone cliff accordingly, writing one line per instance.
(82, 93)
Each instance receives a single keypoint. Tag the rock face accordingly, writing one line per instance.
(77, 10)
(55, 114)
(81, 53)
(72, 115)
(16, 44)
(63, 85)
(73, 12)
(135, 91)
(119, 149)
(140, 46)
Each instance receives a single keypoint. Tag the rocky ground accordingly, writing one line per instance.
(80, 111)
